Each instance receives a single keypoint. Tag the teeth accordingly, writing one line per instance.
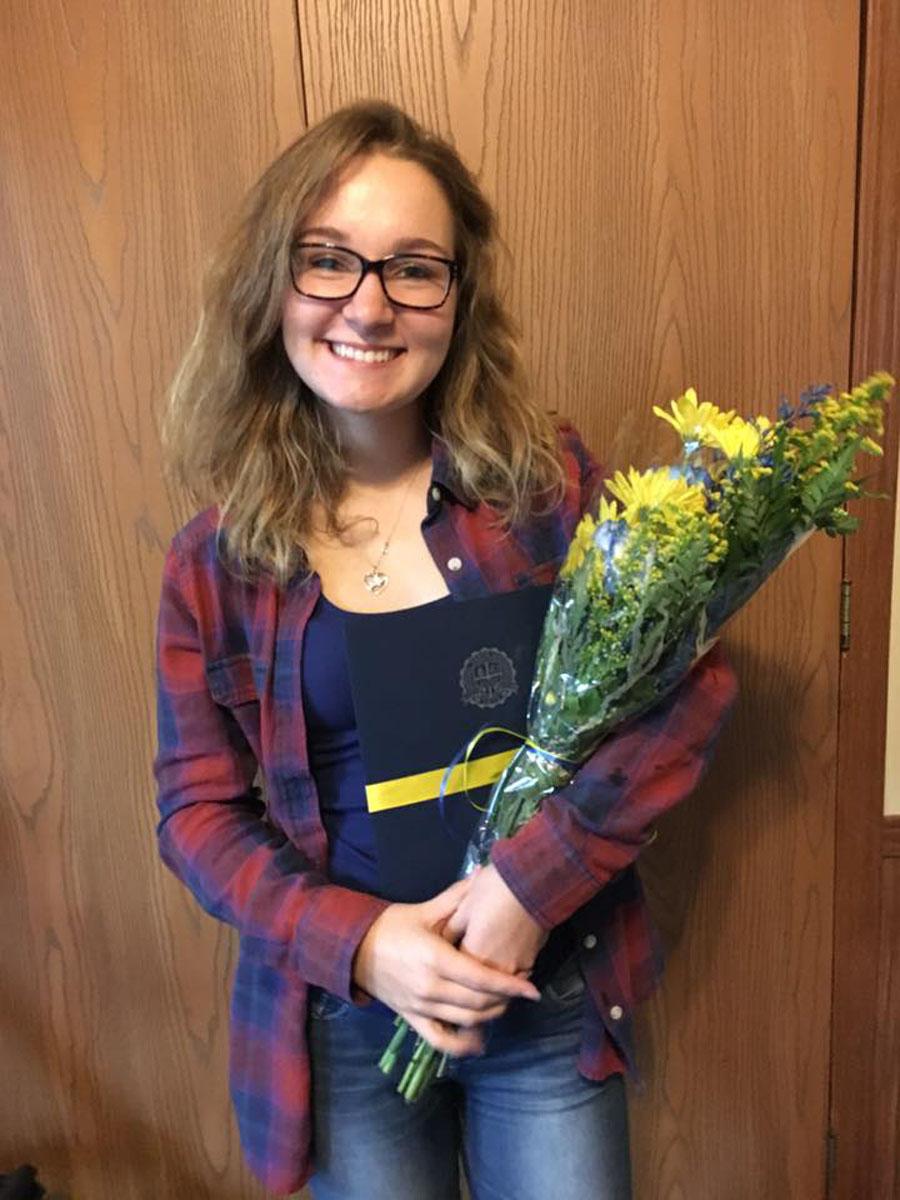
(366, 356)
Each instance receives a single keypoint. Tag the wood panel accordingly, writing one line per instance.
(127, 131)
(676, 184)
(862, 1033)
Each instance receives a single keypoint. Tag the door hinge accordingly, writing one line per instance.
(845, 615)
(830, 1162)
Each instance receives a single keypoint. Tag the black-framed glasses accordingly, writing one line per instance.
(324, 271)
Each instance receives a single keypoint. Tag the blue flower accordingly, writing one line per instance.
(813, 395)
(691, 474)
(610, 539)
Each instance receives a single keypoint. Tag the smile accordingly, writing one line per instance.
(356, 354)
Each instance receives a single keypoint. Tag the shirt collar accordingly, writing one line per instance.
(445, 474)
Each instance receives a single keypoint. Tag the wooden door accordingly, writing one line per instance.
(865, 1082)
(668, 180)
(676, 185)
(127, 131)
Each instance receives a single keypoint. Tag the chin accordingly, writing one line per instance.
(369, 404)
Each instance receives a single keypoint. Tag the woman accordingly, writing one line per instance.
(353, 409)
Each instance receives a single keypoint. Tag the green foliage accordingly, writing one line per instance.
(824, 488)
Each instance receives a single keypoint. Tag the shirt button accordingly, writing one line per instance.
(454, 564)
(589, 942)
(435, 493)
(616, 1012)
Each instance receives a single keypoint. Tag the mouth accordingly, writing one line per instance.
(364, 354)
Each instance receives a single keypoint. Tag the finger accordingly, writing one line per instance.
(462, 999)
(456, 1042)
(440, 907)
(462, 968)
(463, 1018)
(454, 927)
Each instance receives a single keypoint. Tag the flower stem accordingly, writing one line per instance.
(388, 1060)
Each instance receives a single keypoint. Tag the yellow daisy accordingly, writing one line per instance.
(579, 546)
(694, 422)
(609, 511)
(654, 489)
(737, 438)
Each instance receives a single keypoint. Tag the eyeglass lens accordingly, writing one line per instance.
(330, 273)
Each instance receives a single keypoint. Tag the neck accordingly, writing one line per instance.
(381, 448)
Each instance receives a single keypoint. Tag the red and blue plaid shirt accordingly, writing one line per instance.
(230, 715)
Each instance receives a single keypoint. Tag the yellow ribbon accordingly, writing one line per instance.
(449, 781)
(414, 789)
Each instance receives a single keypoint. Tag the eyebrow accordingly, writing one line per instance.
(408, 245)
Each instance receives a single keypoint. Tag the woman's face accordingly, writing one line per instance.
(365, 355)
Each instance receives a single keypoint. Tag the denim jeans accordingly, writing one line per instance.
(525, 1123)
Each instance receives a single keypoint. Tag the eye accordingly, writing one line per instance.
(416, 269)
(330, 262)
(325, 261)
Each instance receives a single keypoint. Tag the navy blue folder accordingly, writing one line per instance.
(425, 681)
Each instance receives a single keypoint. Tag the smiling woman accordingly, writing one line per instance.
(354, 412)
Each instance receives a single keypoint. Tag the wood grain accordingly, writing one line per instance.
(127, 132)
(649, 165)
(676, 185)
(862, 1034)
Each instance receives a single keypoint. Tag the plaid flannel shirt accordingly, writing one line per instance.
(230, 717)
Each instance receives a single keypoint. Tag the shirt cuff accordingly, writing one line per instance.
(548, 881)
(326, 944)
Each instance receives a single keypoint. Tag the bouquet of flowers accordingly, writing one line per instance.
(651, 577)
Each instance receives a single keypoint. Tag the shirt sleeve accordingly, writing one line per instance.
(213, 831)
(592, 829)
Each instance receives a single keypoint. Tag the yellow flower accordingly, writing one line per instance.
(737, 438)
(581, 543)
(694, 422)
(609, 511)
(654, 489)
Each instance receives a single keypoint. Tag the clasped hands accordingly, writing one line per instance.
(453, 963)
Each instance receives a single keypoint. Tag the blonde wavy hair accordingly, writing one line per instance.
(243, 432)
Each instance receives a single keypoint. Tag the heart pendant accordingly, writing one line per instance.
(375, 581)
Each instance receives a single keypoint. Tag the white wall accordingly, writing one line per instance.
(892, 747)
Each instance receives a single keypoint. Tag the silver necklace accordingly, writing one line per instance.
(375, 579)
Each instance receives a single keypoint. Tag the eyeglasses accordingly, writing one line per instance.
(326, 272)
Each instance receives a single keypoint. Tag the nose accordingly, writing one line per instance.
(369, 307)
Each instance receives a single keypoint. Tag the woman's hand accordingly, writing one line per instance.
(407, 961)
(491, 925)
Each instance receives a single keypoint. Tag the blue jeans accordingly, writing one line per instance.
(526, 1124)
